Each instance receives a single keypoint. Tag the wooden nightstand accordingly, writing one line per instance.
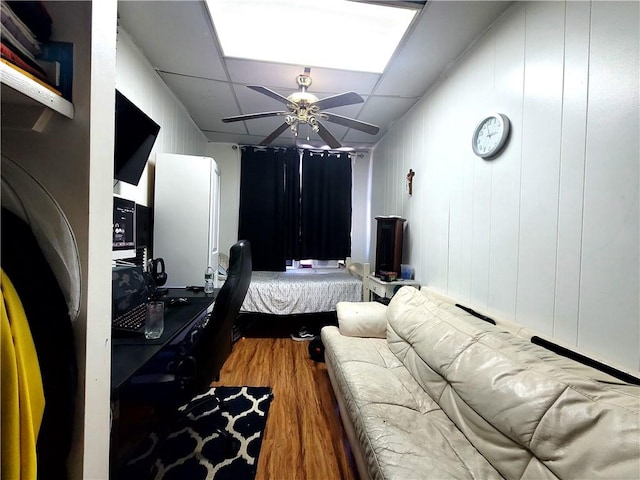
(386, 289)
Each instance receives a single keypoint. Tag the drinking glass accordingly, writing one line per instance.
(154, 326)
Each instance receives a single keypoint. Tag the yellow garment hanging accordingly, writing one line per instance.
(22, 393)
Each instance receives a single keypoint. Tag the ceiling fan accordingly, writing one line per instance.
(304, 107)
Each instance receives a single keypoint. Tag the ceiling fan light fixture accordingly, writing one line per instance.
(302, 98)
(261, 30)
(302, 112)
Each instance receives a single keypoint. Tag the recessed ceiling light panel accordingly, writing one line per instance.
(337, 34)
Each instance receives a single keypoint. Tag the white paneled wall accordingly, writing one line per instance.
(139, 82)
(360, 214)
(547, 234)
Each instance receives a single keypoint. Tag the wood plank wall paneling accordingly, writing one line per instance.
(548, 233)
(304, 438)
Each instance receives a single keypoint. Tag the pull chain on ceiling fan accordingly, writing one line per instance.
(304, 107)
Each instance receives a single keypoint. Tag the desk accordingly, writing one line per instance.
(129, 357)
(130, 354)
(387, 289)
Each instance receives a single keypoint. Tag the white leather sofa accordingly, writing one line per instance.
(427, 390)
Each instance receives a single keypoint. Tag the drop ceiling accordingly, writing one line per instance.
(179, 40)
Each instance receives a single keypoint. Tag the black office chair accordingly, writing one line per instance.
(214, 343)
(198, 364)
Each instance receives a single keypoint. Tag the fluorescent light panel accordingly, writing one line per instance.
(337, 34)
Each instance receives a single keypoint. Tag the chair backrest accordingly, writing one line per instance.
(213, 346)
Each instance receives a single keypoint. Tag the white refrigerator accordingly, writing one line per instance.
(186, 217)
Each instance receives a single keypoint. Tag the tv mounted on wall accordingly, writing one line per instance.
(135, 136)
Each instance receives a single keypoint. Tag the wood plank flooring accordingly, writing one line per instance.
(304, 438)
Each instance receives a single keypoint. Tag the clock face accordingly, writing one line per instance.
(490, 135)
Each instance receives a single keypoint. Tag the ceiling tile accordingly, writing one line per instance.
(387, 110)
(432, 46)
(271, 75)
(203, 99)
(175, 36)
(329, 82)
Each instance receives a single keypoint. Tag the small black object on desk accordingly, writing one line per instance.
(158, 276)
(169, 301)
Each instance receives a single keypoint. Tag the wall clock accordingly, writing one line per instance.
(490, 136)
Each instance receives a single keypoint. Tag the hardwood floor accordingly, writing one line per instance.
(304, 438)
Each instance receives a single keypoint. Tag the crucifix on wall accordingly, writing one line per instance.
(410, 176)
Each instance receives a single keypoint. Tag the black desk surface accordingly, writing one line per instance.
(129, 354)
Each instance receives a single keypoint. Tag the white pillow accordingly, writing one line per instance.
(362, 319)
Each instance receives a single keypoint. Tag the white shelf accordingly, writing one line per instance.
(25, 91)
(387, 289)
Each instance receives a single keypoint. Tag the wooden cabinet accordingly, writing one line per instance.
(389, 239)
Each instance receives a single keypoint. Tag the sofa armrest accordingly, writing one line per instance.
(362, 319)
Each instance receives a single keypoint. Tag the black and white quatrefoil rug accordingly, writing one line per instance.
(196, 450)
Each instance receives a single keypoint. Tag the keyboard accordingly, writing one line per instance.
(131, 321)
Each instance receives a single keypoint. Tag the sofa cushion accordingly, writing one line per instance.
(526, 416)
(362, 319)
(402, 432)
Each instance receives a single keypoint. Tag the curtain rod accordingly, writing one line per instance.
(261, 148)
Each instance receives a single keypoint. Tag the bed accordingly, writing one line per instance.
(306, 290)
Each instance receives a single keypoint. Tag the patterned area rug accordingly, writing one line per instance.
(196, 449)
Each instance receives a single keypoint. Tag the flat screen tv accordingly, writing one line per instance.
(135, 136)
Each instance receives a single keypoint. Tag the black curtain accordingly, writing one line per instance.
(264, 214)
(325, 232)
(292, 206)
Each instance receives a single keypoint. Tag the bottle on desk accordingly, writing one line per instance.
(208, 280)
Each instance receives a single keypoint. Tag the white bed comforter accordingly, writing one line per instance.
(301, 291)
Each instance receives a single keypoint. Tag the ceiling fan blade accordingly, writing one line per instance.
(327, 136)
(275, 134)
(270, 93)
(339, 100)
(250, 116)
(351, 123)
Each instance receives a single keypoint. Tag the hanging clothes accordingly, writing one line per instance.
(22, 392)
(52, 332)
